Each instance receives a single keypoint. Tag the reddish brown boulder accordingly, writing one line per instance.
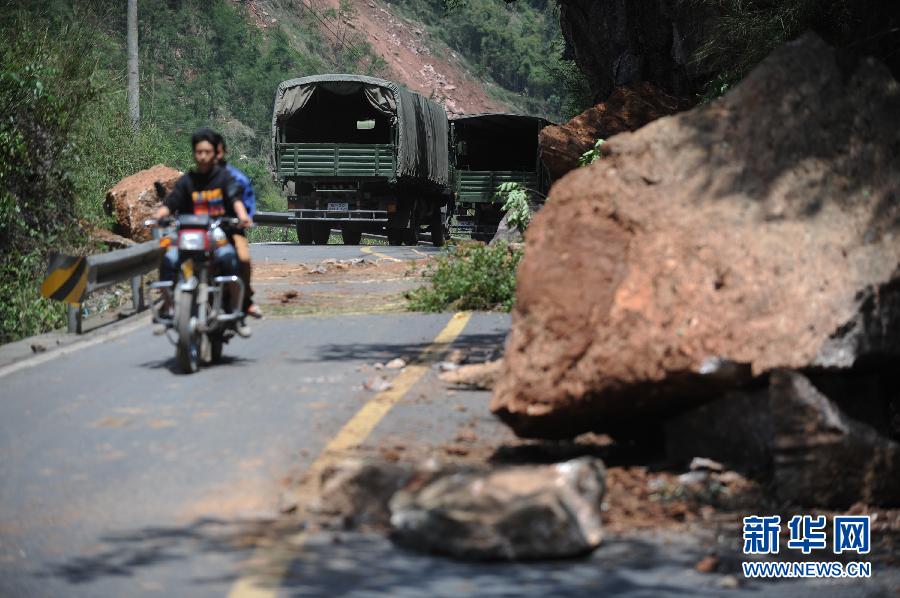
(627, 109)
(758, 232)
(134, 199)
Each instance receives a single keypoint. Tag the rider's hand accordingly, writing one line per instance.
(245, 222)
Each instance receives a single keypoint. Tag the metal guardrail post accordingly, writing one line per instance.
(137, 292)
(73, 313)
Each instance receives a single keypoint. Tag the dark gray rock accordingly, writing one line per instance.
(355, 493)
(514, 513)
(824, 458)
(735, 429)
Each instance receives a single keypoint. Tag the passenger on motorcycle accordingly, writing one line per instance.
(207, 189)
(239, 240)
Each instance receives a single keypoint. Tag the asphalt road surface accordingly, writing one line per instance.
(121, 477)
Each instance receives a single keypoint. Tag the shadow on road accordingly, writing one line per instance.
(172, 365)
(371, 565)
(123, 554)
(344, 564)
(478, 348)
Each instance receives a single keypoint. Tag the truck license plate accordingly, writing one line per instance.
(340, 207)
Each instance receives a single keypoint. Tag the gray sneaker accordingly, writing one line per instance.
(242, 329)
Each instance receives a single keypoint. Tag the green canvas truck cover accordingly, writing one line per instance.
(422, 151)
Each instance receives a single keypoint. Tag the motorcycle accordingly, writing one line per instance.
(194, 308)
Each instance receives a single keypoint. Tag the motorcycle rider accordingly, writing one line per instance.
(207, 189)
(241, 245)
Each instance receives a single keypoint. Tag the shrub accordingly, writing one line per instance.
(46, 84)
(515, 204)
(471, 277)
(592, 155)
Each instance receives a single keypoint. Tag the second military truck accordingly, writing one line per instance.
(363, 155)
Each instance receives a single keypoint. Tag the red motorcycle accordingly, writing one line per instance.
(199, 310)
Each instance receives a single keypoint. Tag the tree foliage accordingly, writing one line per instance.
(743, 32)
(46, 85)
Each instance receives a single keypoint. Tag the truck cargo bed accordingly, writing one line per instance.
(336, 159)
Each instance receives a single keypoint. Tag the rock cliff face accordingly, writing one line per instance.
(621, 42)
(757, 233)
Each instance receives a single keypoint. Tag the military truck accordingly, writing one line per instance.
(488, 150)
(363, 155)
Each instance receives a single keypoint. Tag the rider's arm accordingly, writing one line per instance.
(174, 201)
(242, 215)
(234, 192)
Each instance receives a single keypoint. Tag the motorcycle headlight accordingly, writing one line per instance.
(192, 240)
(219, 237)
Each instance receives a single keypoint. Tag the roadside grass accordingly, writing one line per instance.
(472, 276)
(271, 234)
(275, 234)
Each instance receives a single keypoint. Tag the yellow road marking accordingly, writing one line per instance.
(371, 251)
(276, 558)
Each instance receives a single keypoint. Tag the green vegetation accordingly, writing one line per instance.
(470, 277)
(592, 155)
(746, 31)
(44, 90)
(518, 45)
(515, 203)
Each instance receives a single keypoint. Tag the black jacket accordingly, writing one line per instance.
(213, 193)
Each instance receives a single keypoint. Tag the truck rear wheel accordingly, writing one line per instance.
(304, 233)
(320, 233)
(351, 237)
(436, 228)
(395, 236)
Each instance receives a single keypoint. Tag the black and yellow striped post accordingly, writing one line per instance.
(66, 280)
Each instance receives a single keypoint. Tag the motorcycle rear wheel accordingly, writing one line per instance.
(187, 350)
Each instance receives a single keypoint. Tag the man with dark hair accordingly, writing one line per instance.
(241, 245)
(207, 189)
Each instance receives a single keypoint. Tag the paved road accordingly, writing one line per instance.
(308, 254)
(121, 477)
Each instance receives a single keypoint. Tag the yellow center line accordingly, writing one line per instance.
(371, 251)
(275, 559)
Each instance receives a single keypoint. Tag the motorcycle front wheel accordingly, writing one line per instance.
(187, 350)
(217, 343)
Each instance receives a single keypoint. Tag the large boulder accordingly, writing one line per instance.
(627, 109)
(512, 513)
(756, 233)
(135, 199)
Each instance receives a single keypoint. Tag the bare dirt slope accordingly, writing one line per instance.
(413, 57)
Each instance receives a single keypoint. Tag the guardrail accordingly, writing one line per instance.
(74, 279)
(274, 219)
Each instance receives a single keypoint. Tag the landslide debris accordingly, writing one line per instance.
(627, 109)
(707, 250)
(134, 199)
